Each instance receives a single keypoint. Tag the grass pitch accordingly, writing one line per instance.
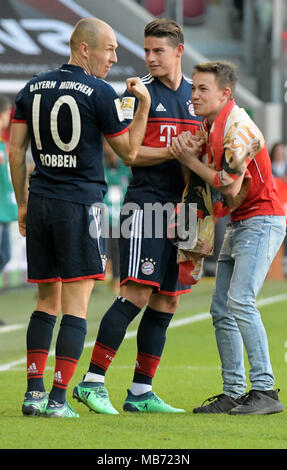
(188, 374)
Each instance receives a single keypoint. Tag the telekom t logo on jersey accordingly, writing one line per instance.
(167, 132)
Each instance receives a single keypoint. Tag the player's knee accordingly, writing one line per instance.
(49, 307)
(137, 294)
(172, 303)
(49, 298)
(164, 303)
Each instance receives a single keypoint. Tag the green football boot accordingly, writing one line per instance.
(148, 403)
(60, 410)
(35, 403)
(95, 396)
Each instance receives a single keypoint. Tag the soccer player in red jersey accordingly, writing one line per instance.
(148, 265)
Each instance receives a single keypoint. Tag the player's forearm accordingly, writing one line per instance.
(209, 174)
(206, 173)
(149, 156)
(19, 141)
(137, 130)
(19, 176)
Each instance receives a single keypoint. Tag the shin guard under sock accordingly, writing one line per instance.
(111, 333)
(69, 346)
(38, 340)
(151, 337)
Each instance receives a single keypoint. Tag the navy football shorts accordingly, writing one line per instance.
(59, 244)
(146, 255)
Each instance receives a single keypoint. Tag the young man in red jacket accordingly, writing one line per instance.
(237, 165)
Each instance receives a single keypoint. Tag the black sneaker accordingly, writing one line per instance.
(259, 402)
(219, 404)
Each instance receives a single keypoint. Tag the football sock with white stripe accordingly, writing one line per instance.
(69, 346)
(38, 341)
(111, 333)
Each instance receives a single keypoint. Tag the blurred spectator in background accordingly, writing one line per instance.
(117, 176)
(8, 206)
(278, 158)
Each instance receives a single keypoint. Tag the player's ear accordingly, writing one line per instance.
(180, 49)
(84, 49)
(226, 93)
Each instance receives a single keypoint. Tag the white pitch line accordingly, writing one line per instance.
(173, 324)
(8, 328)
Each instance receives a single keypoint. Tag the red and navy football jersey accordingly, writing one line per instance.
(67, 111)
(170, 114)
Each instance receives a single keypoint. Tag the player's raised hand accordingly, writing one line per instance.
(136, 86)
